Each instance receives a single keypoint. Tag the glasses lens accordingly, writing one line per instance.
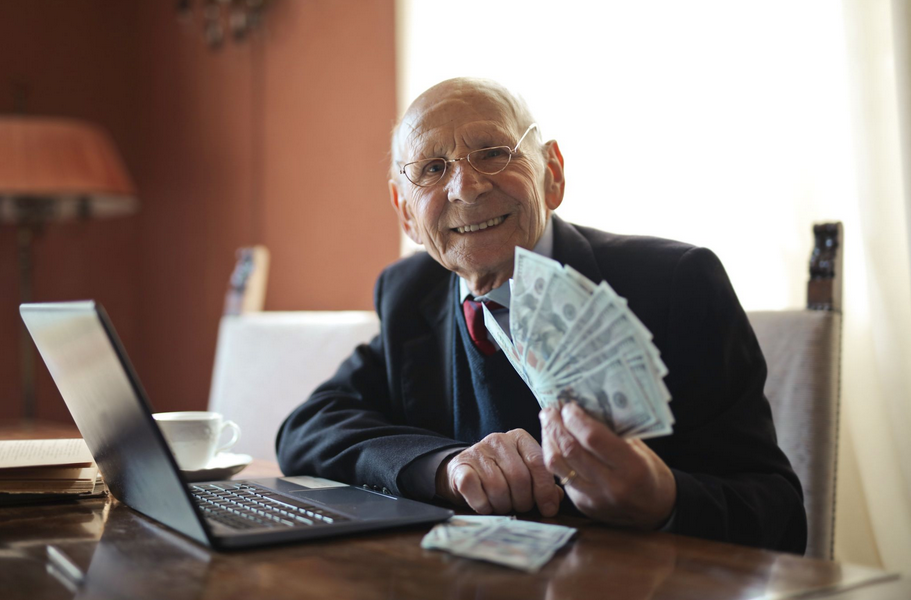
(490, 160)
(425, 172)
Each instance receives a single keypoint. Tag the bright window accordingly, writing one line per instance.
(720, 123)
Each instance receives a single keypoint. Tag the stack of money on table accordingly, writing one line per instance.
(575, 341)
(523, 545)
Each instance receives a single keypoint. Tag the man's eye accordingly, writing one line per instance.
(433, 167)
(493, 153)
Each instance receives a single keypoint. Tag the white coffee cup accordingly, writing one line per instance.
(193, 436)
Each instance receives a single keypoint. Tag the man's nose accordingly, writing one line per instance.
(465, 183)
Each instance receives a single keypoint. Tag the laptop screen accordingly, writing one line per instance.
(101, 390)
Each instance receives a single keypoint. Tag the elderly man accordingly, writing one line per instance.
(432, 410)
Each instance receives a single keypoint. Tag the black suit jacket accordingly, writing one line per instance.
(391, 401)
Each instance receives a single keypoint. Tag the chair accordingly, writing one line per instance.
(802, 349)
(266, 363)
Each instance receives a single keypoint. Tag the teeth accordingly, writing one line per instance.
(478, 227)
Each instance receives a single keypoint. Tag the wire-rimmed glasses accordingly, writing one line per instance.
(488, 161)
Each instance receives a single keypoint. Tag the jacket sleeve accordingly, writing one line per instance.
(348, 429)
(734, 483)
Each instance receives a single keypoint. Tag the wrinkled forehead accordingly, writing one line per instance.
(449, 118)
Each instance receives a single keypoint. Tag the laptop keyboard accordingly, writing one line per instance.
(246, 506)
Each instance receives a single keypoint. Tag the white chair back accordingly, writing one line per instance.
(267, 363)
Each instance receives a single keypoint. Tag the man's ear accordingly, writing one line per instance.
(400, 206)
(554, 182)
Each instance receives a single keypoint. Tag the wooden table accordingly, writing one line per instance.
(125, 555)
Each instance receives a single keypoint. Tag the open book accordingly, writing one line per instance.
(47, 468)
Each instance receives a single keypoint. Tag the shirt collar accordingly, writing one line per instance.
(501, 295)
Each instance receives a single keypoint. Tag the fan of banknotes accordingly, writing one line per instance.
(575, 341)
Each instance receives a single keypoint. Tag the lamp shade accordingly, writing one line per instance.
(54, 168)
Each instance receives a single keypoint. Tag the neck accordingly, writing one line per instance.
(483, 284)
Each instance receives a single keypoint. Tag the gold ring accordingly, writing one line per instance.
(569, 478)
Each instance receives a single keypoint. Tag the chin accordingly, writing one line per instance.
(487, 267)
(483, 257)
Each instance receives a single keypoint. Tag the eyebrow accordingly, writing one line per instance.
(486, 137)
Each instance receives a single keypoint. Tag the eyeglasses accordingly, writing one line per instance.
(488, 161)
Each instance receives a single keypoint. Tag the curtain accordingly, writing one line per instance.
(875, 471)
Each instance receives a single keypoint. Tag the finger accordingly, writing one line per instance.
(546, 494)
(511, 461)
(598, 439)
(575, 456)
(494, 484)
(553, 458)
(467, 483)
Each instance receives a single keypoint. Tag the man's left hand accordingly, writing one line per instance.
(610, 479)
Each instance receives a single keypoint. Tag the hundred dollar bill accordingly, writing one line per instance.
(600, 299)
(647, 382)
(647, 375)
(560, 307)
(445, 534)
(611, 395)
(627, 347)
(523, 545)
(530, 276)
(581, 280)
(607, 307)
(585, 348)
(615, 325)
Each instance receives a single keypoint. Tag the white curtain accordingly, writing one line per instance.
(732, 125)
(876, 416)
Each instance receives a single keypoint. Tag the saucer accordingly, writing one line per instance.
(222, 466)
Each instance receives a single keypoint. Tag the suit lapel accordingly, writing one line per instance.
(571, 247)
(426, 365)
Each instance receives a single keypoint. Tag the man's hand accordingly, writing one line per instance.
(610, 479)
(504, 472)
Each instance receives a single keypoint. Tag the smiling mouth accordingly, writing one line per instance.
(480, 226)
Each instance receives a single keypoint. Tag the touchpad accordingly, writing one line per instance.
(352, 501)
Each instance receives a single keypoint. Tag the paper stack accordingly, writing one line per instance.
(41, 469)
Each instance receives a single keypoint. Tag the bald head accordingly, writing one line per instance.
(472, 91)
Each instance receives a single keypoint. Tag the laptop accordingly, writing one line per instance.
(93, 373)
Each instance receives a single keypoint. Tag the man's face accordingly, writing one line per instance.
(513, 204)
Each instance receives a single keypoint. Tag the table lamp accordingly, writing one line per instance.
(55, 169)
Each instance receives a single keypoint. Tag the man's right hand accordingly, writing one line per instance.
(502, 473)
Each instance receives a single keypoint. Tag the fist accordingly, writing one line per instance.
(502, 473)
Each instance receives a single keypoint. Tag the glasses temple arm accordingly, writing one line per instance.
(521, 139)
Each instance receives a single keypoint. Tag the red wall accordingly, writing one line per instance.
(281, 140)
